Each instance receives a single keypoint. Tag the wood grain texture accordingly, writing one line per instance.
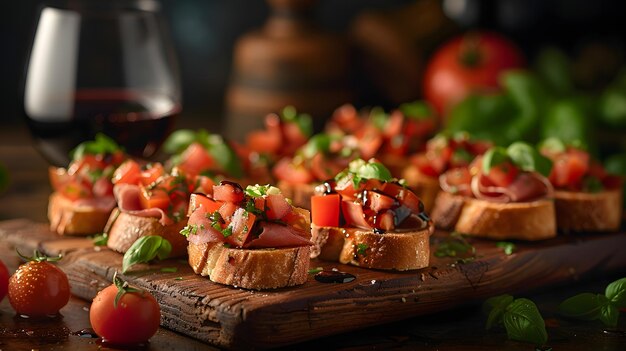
(238, 318)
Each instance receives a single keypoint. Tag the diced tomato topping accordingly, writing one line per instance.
(203, 184)
(128, 172)
(277, 206)
(196, 159)
(404, 195)
(152, 173)
(227, 210)
(197, 200)
(377, 201)
(424, 165)
(385, 220)
(264, 141)
(370, 140)
(228, 192)
(503, 174)
(294, 174)
(294, 137)
(459, 176)
(354, 215)
(75, 190)
(241, 225)
(88, 161)
(155, 198)
(325, 210)
(324, 169)
(58, 177)
(102, 187)
(393, 126)
(568, 170)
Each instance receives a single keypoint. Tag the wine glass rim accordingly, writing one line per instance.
(105, 5)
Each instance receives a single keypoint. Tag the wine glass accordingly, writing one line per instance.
(100, 66)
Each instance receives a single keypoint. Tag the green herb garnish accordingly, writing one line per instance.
(605, 307)
(102, 144)
(592, 184)
(520, 318)
(315, 270)
(361, 249)
(169, 269)
(101, 239)
(456, 246)
(302, 120)
(521, 154)
(418, 110)
(506, 246)
(146, 249)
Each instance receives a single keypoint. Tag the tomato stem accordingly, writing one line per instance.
(122, 288)
(470, 55)
(39, 257)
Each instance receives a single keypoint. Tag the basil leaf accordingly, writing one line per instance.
(523, 322)
(616, 293)
(145, 249)
(302, 120)
(374, 170)
(178, 141)
(418, 110)
(495, 307)
(493, 157)
(609, 314)
(225, 156)
(319, 143)
(379, 117)
(529, 159)
(555, 145)
(101, 144)
(584, 306)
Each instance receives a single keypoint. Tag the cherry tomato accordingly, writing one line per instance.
(503, 174)
(4, 280)
(325, 210)
(468, 63)
(133, 319)
(38, 288)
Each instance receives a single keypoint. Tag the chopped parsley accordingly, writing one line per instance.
(191, 229)
(506, 246)
(361, 249)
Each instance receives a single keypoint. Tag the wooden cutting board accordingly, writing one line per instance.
(237, 318)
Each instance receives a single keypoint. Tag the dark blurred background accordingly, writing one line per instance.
(205, 32)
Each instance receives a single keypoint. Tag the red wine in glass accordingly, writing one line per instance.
(100, 67)
(138, 121)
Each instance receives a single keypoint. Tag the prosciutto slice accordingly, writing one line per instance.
(278, 235)
(127, 197)
(528, 186)
(106, 203)
(204, 232)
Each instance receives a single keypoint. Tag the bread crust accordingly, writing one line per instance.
(531, 221)
(124, 229)
(300, 194)
(256, 269)
(68, 219)
(390, 251)
(596, 212)
(425, 187)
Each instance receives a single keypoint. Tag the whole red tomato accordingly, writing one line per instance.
(124, 315)
(4, 280)
(467, 63)
(38, 288)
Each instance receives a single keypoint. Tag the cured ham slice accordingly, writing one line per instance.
(526, 187)
(127, 197)
(278, 235)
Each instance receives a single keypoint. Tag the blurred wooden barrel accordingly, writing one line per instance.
(288, 62)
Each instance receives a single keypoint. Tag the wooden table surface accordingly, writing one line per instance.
(457, 329)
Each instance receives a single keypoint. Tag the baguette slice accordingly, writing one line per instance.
(250, 268)
(504, 221)
(580, 211)
(447, 209)
(66, 218)
(425, 187)
(124, 229)
(392, 251)
(300, 194)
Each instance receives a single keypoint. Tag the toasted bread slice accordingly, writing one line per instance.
(124, 229)
(425, 187)
(392, 251)
(300, 194)
(250, 268)
(67, 218)
(596, 212)
(447, 209)
(504, 221)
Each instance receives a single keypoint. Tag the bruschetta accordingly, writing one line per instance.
(83, 193)
(586, 197)
(151, 201)
(249, 238)
(366, 218)
(502, 195)
(442, 153)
